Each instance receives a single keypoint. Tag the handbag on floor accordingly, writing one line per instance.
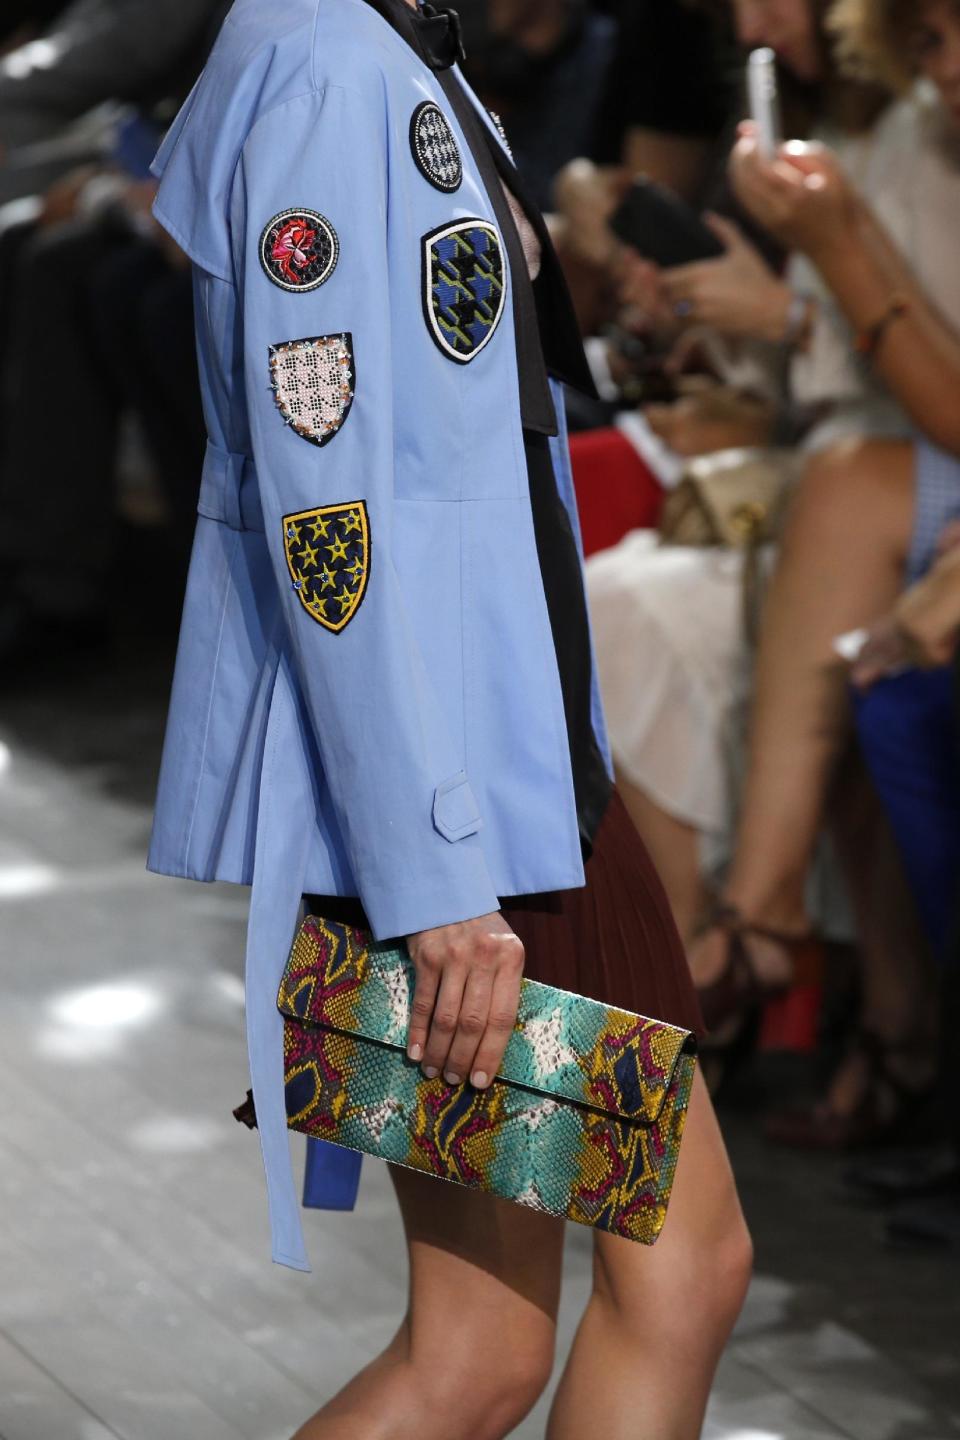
(583, 1120)
(735, 499)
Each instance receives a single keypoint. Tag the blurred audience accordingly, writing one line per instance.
(96, 300)
(675, 719)
(908, 724)
(24, 19)
(868, 515)
(865, 311)
(95, 54)
(541, 66)
(669, 96)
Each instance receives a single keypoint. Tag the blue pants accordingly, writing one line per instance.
(910, 734)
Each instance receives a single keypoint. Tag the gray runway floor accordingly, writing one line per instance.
(137, 1300)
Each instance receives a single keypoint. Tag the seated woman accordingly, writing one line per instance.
(908, 723)
(867, 516)
(672, 657)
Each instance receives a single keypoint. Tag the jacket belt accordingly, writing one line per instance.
(228, 489)
(333, 1173)
(278, 870)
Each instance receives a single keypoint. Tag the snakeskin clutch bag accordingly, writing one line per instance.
(583, 1120)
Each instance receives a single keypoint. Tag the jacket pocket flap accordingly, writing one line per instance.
(566, 1046)
(455, 810)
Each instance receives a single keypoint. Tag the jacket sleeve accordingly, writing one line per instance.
(310, 245)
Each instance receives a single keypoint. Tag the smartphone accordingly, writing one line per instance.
(764, 99)
(662, 227)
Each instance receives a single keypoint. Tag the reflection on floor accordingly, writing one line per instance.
(136, 1296)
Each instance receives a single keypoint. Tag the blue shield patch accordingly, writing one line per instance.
(464, 286)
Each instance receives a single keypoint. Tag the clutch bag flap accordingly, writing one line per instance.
(583, 1119)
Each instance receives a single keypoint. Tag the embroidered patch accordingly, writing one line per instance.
(464, 286)
(498, 126)
(434, 147)
(299, 250)
(328, 556)
(313, 383)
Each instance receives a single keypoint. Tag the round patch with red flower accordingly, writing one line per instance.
(299, 249)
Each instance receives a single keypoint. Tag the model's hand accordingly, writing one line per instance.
(466, 998)
(737, 294)
(802, 195)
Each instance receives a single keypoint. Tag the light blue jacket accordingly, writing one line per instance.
(366, 699)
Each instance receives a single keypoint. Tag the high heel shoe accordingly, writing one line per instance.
(740, 990)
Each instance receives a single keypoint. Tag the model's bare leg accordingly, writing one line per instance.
(675, 850)
(656, 1324)
(475, 1349)
(840, 567)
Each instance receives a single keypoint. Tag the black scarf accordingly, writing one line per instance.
(548, 342)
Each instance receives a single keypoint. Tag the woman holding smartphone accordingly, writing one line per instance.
(868, 517)
(673, 717)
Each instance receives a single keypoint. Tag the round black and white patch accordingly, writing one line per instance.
(299, 249)
(435, 147)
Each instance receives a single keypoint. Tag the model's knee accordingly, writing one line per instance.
(720, 1277)
(713, 1279)
(486, 1384)
(523, 1377)
(731, 1267)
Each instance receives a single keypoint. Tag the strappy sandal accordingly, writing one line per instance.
(890, 1111)
(739, 991)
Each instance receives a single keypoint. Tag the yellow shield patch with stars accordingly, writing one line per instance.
(328, 556)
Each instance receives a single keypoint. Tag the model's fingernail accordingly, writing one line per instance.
(451, 1078)
(415, 1052)
(478, 1079)
(431, 1072)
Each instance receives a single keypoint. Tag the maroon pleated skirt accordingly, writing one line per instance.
(614, 939)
